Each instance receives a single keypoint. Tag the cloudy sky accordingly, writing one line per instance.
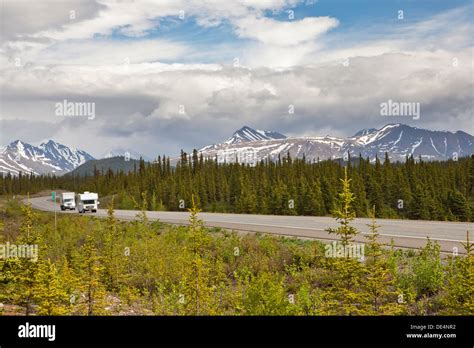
(170, 74)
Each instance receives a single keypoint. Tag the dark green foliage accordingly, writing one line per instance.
(92, 266)
(458, 205)
(428, 190)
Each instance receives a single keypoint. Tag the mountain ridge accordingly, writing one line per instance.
(49, 157)
(397, 139)
(250, 145)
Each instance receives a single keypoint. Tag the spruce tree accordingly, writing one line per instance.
(114, 257)
(50, 296)
(92, 290)
(198, 293)
(458, 205)
(379, 283)
(70, 283)
(459, 287)
(344, 297)
(25, 269)
(419, 206)
(344, 213)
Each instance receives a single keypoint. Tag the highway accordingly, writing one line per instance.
(405, 233)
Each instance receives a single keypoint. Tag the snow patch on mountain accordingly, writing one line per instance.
(48, 158)
(398, 140)
(120, 152)
(246, 134)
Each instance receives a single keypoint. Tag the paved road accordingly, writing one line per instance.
(405, 233)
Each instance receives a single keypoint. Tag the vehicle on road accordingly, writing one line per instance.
(87, 201)
(66, 201)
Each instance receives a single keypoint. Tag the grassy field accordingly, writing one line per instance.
(90, 266)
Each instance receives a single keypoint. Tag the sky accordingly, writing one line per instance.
(166, 75)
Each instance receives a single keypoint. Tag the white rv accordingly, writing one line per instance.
(87, 201)
(66, 201)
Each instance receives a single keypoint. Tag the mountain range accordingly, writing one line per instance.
(47, 158)
(251, 145)
(398, 140)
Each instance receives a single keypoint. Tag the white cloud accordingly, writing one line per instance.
(136, 17)
(106, 52)
(22, 18)
(282, 44)
(143, 107)
(138, 104)
(273, 56)
(288, 33)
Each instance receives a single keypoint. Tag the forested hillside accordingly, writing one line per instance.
(414, 189)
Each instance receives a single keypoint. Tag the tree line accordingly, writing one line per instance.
(414, 189)
(89, 266)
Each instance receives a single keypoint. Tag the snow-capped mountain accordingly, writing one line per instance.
(363, 132)
(246, 134)
(47, 158)
(398, 140)
(119, 152)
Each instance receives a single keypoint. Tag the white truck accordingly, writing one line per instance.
(66, 201)
(87, 201)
